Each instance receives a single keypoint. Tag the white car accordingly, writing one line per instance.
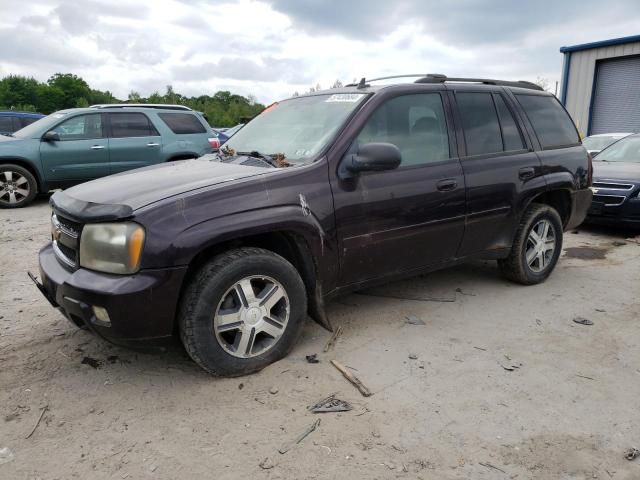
(596, 143)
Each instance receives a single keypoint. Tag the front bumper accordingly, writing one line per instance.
(141, 307)
(627, 214)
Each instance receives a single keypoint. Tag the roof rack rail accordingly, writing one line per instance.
(439, 78)
(141, 105)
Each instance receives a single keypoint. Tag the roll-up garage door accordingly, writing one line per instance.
(616, 100)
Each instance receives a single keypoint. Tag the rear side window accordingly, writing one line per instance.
(24, 121)
(182, 123)
(510, 132)
(6, 125)
(480, 123)
(551, 122)
(131, 125)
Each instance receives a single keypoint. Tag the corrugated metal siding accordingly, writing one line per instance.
(581, 74)
(616, 100)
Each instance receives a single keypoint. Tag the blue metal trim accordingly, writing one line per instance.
(602, 43)
(566, 66)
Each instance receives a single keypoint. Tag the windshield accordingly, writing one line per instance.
(626, 150)
(299, 127)
(39, 127)
(599, 143)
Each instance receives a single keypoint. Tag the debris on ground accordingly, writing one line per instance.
(618, 243)
(355, 381)
(510, 366)
(413, 356)
(266, 464)
(312, 358)
(6, 455)
(582, 321)
(584, 376)
(632, 454)
(273, 390)
(332, 341)
(42, 412)
(411, 320)
(92, 362)
(488, 465)
(331, 404)
(461, 292)
(287, 446)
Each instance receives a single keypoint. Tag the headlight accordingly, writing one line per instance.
(112, 247)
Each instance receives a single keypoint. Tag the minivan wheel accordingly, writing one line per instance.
(18, 187)
(536, 247)
(242, 311)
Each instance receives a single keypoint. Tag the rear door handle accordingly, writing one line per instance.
(152, 144)
(97, 147)
(446, 185)
(526, 173)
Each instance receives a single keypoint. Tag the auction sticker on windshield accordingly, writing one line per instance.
(344, 97)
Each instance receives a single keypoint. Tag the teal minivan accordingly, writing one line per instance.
(76, 145)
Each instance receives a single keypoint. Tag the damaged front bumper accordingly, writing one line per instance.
(130, 310)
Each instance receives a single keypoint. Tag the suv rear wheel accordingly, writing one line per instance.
(18, 187)
(243, 310)
(536, 247)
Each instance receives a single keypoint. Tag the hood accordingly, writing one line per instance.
(629, 171)
(136, 188)
(5, 138)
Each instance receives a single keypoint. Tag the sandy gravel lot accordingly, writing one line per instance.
(503, 384)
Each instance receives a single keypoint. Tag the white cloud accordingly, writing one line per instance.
(271, 48)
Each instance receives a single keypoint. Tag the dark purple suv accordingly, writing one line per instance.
(319, 195)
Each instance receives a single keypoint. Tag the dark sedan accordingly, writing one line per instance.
(616, 184)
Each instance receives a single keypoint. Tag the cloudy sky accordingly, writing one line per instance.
(272, 48)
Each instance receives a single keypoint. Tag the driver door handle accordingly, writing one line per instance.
(152, 144)
(447, 185)
(526, 173)
(97, 147)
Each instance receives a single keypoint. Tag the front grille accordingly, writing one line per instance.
(66, 240)
(613, 186)
(609, 200)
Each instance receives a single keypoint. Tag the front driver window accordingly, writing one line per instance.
(82, 127)
(413, 123)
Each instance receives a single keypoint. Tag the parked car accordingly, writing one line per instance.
(73, 146)
(616, 184)
(11, 121)
(231, 131)
(596, 143)
(221, 136)
(318, 195)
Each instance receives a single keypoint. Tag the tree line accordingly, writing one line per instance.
(66, 90)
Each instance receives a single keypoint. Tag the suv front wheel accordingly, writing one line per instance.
(18, 187)
(242, 311)
(536, 246)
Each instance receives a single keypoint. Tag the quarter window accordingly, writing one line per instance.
(511, 137)
(6, 125)
(131, 125)
(480, 123)
(81, 127)
(415, 124)
(182, 123)
(551, 122)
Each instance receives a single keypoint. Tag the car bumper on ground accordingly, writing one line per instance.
(141, 308)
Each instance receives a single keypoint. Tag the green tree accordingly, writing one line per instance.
(72, 87)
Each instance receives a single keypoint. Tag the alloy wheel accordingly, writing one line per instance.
(541, 246)
(252, 316)
(14, 187)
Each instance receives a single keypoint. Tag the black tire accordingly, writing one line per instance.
(209, 288)
(11, 191)
(515, 267)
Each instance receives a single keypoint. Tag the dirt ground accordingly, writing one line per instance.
(503, 384)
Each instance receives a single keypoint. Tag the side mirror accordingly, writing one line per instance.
(374, 157)
(51, 136)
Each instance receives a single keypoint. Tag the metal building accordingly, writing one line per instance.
(601, 85)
